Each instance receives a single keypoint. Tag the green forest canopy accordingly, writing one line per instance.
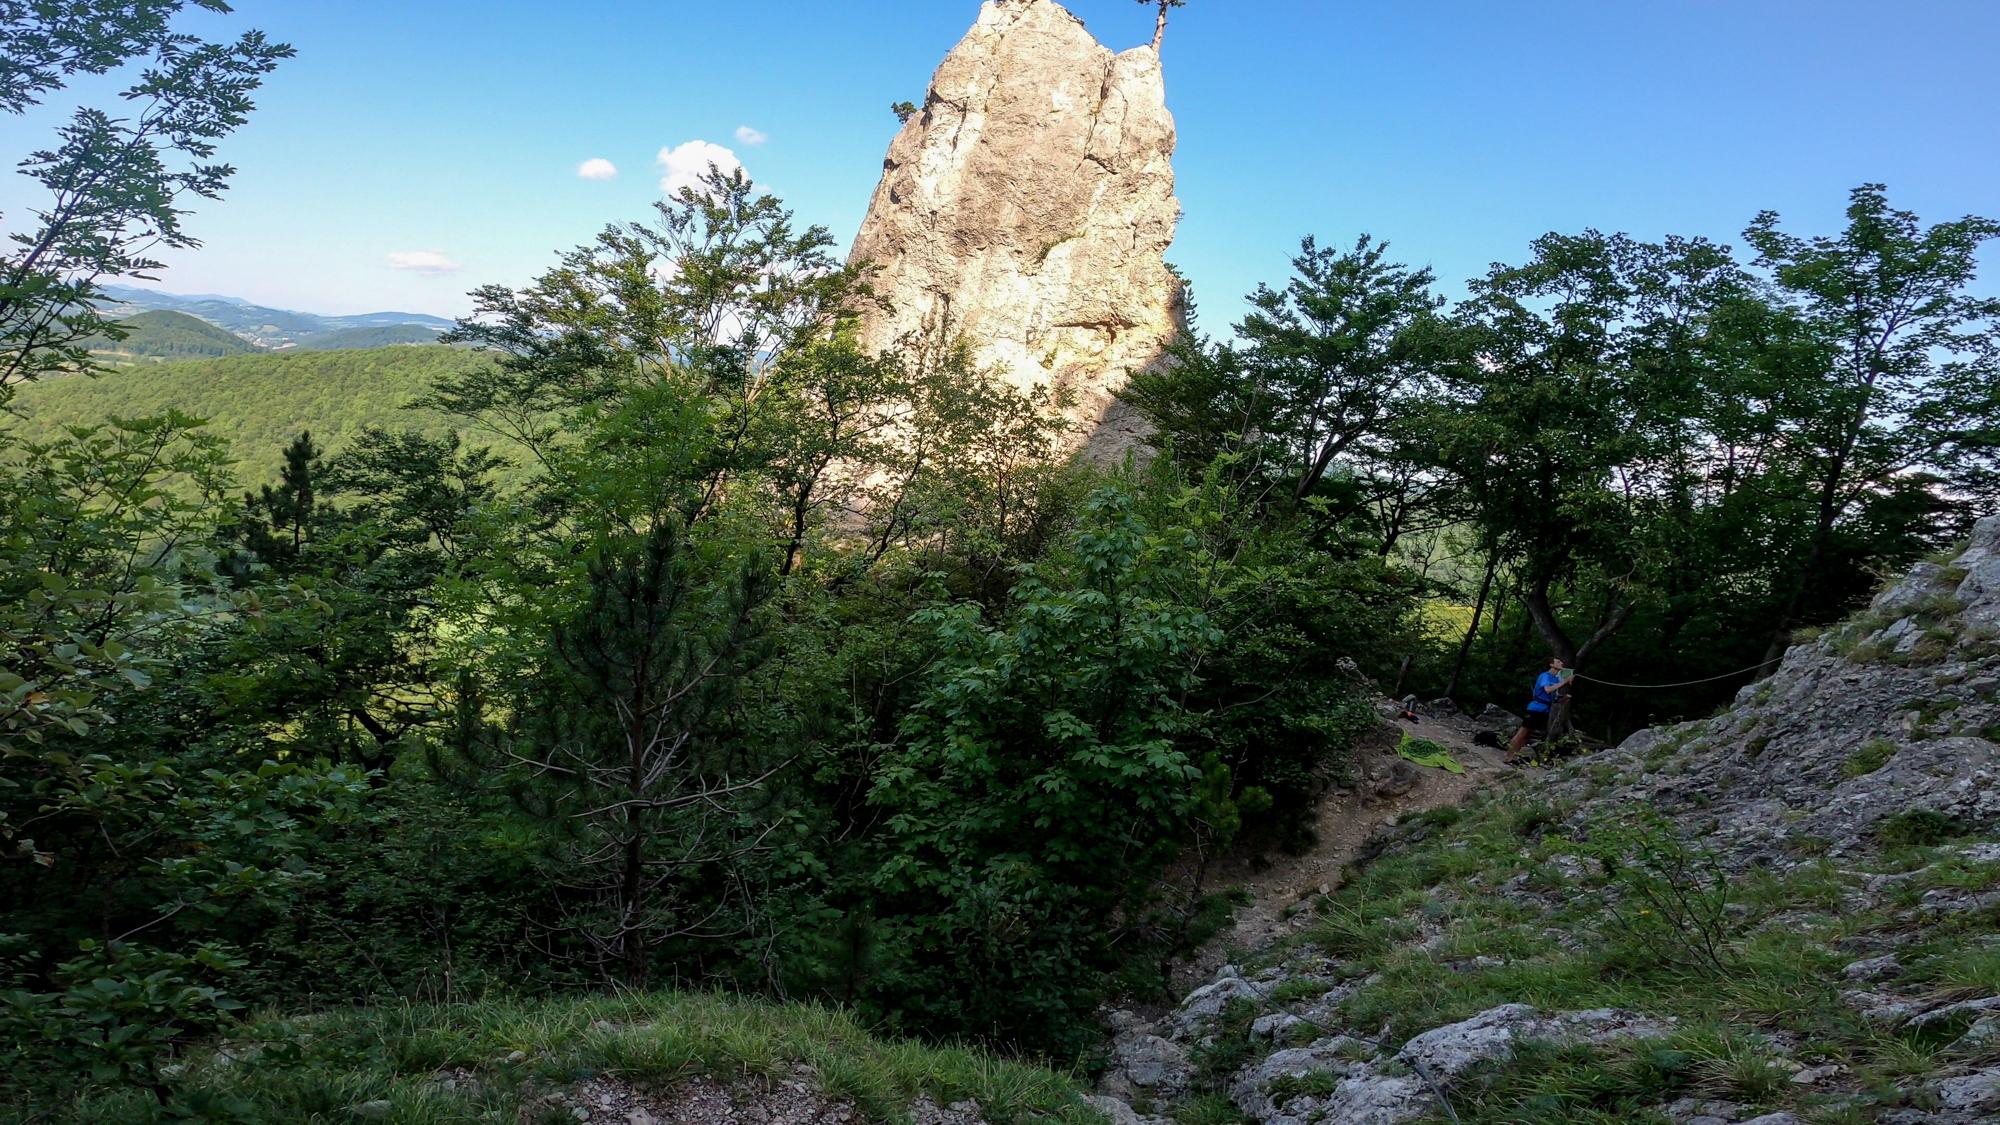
(259, 403)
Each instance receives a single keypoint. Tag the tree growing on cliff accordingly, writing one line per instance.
(1160, 25)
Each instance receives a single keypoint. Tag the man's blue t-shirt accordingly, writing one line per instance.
(1545, 691)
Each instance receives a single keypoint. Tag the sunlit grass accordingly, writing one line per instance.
(318, 1068)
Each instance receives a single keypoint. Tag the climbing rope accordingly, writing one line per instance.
(1683, 683)
(1423, 1071)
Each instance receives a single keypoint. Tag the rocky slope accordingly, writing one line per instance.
(1027, 206)
(1786, 913)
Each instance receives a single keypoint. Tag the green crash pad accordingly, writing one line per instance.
(1424, 752)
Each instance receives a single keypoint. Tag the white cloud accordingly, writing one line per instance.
(687, 164)
(427, 262)
(746, 135)
(597, 168)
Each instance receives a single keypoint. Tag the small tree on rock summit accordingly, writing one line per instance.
(1160, 27)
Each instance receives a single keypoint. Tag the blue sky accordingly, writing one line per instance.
(449, 133)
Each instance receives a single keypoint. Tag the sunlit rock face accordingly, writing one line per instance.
(1028, 205)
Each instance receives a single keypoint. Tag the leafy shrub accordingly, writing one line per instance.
(119, 1012)
(1666, 902)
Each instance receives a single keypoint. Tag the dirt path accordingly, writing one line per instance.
(1346, 818)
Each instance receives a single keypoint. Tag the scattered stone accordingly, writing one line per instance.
(1274, 1026)
(1144, 1065)
(1250, 1089)
(1881, 1007)
(703, 1101)
(1955, 1011)
(1775, 1119)
(924, 1111)
(1701, 1111)
(1982, 1035)
(1205, 1004)
(1978, 1092)
(1122, 1114)
(1403, 777)
(1577, 867)
(1885, 967)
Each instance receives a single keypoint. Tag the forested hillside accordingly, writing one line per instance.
(378, 337)
(276, 329)
(258, 403)
(158, 337)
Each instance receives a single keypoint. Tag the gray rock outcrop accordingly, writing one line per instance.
(1342, 1078)
(1449, 1051)
(1027, 205)
(1888, 714)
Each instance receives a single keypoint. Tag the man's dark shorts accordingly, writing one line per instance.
(1537, 722)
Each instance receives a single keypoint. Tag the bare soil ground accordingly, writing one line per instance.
(1347, 816)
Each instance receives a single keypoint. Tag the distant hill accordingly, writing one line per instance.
(258, 402)
(276, 329)
(384, 337)
(153, 337)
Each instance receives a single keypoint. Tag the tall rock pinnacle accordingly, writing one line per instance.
(1027, 206)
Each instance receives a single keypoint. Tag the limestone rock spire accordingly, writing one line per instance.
(1028, 204)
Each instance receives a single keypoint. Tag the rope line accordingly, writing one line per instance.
(1437, 1091)
(1683, 683)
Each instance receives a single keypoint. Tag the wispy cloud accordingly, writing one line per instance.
(597, 168)
(686, 164)
(746, 135)
(426, 262)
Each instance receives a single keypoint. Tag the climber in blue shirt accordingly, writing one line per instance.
(1549, 686)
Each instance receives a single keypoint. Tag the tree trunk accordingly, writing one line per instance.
(632, 938)
(1472, 631)
(1160, 27)
(1829, 510)
(1781, 636)
(1573, 655)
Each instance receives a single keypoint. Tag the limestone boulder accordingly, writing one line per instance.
(1028, 206)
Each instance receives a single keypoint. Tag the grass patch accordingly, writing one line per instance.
(1918, 828)
(1871, 756)
(1212, 1108)
(1229, 1046)
(1311, 1084)
(318, 1068)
